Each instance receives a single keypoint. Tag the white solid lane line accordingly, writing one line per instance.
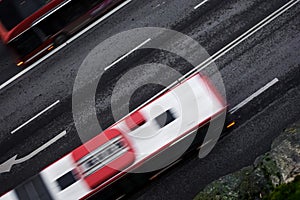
(55, 50)
(121, 197)
(127, 54)
(255, 94)
(50, 13)
(227, 48)
(242, 38)
(165, 169)
(210, 60)
(160, 4)
(99, 20)
(7, 165)
(106, 16)
(200, 4)
(36, 116)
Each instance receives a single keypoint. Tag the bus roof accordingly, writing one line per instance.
(17, 16)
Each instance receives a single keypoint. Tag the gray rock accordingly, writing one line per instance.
(280, 165)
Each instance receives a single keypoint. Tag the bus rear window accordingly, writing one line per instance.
(26, 43)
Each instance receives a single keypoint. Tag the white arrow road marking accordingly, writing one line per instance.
(255, 94)
(7, 165)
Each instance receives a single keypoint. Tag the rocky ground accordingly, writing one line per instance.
(272, 172)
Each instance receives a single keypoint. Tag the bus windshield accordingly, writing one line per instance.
(12, 12)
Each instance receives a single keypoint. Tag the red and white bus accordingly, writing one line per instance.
(128, 144)
(31, 28)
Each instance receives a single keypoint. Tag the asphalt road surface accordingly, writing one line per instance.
(270, 54)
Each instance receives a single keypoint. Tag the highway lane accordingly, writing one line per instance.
(61, 69)
(55, 126)
(7, 69)
(129, 16)
(240, 148)
(35, 93)
(258, 60)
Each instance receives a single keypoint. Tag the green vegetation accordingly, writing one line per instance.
(289, 191)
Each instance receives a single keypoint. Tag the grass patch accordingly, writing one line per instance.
(289, 191)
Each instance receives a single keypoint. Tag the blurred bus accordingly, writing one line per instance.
(115, 161)
(31, 28)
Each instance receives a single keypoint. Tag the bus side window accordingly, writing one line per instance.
(71, 12)
(92, 3)
(165, 118)
(40, 33)
(26, 42)
(51, 25)
(66, 180)
(57, 21)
